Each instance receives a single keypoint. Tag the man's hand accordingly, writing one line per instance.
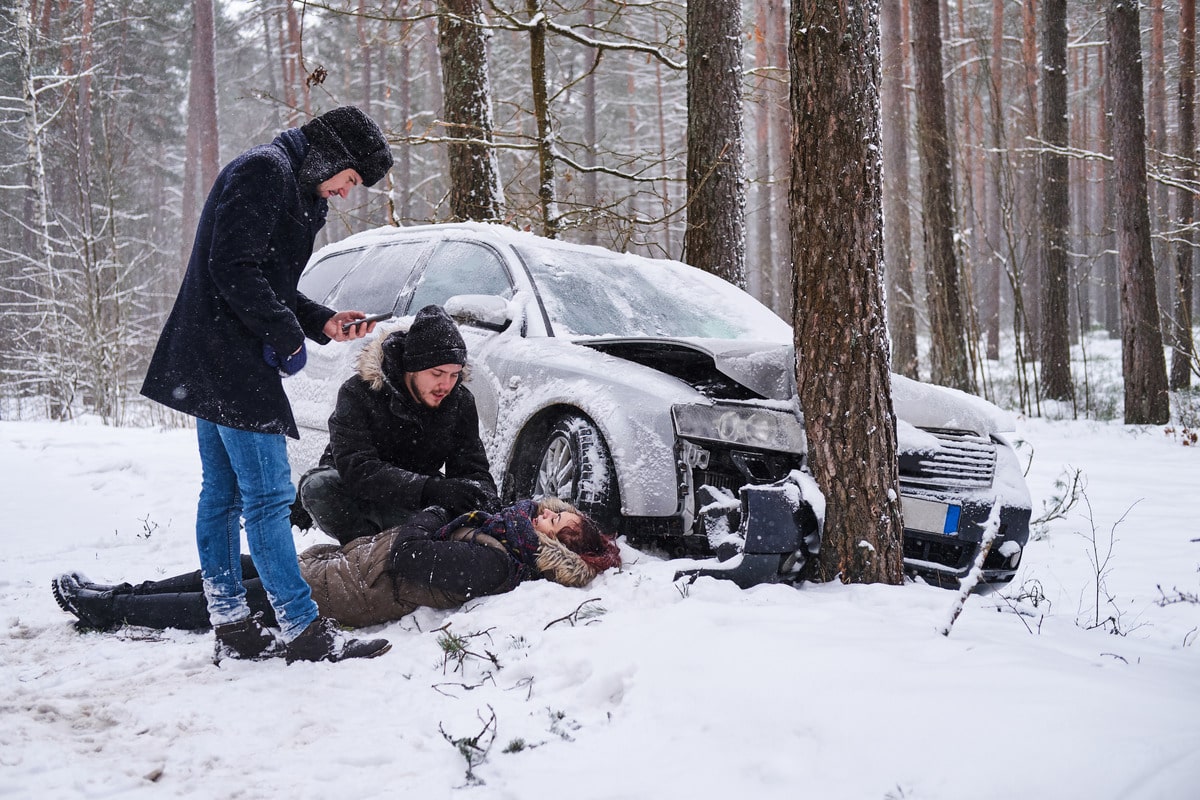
(287, 365)
(458, 496)
(333, 327)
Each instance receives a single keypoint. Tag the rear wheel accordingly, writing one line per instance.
(573, 464)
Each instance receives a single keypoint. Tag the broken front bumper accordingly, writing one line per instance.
(766, 535)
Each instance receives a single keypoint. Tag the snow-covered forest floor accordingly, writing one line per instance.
(1078, 680)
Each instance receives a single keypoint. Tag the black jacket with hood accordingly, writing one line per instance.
(385, 445)
(254, 238)
(255, 235)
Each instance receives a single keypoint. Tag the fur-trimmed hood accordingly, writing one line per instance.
(369, 365)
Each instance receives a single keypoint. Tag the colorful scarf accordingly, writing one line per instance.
(512, 527)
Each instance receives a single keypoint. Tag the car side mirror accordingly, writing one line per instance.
(481, 310)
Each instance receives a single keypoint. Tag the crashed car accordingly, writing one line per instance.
(659, 398)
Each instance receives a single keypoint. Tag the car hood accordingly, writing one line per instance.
(736, 369)
(745, 370)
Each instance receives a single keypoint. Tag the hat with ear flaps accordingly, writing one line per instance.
(344, 138)
(431, 341)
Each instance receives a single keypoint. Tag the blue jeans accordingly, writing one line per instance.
(246, 474)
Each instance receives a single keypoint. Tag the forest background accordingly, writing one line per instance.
(115, 116)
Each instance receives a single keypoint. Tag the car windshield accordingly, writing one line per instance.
(596, 293)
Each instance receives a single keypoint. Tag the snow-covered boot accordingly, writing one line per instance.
(246, 639)
(88, 583)
(94, 609)
(323, 640)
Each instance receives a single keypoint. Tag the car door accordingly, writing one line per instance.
(463, 266)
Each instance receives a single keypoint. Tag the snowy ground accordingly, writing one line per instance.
(635, 687)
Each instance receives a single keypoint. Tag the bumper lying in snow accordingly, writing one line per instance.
(765, 537)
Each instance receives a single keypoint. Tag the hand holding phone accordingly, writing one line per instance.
(346, 326)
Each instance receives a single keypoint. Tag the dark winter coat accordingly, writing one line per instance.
(385, 445)
(254, 238)
(376, 579)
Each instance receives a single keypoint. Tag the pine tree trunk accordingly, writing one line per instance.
(475, 192)
(948, 354)
(547, 197)
(1029, 272)
(897, 234)
(201, 162)
(840, 333)
(1142, 360)
(990, 310)
(1054, 210)
(715, 238)
(1183, 357)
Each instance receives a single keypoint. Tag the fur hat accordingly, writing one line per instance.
(432, 340)
(344, 138)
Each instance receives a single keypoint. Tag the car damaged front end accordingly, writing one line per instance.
(746, 496)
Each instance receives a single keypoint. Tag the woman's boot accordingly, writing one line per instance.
(93, 608)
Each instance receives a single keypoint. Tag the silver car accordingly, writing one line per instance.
(657, 397)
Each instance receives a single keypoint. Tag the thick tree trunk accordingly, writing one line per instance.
(1183, 357)
(948, 353)
(1054, 209)
(1142, 361)
(475, 191)
(897, 234)
(840, 333)
(715, 239)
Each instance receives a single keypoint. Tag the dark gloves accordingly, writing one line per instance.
(458, 496)
(287, 365)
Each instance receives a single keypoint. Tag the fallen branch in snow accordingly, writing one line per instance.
(454, 648)
(574, 616)
(474, 748)
(990, 529)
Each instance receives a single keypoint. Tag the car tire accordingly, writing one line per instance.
(573, 463)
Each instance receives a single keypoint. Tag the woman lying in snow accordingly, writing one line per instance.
(376, 579)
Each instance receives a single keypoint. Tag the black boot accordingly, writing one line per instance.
(93, 608)
(246, 639)
(323, 640)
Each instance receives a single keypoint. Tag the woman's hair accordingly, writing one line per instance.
(584, 538)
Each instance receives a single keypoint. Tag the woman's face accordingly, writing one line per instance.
(549, 523)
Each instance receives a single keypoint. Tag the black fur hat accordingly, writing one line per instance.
(344, 138)
(432, 340)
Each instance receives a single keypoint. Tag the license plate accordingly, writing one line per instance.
(930, 516)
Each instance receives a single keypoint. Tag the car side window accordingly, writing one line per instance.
(318, 280)
(378, 277)
(458, 267)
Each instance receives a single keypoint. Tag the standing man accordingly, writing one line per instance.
(238, 325)
(404, 435)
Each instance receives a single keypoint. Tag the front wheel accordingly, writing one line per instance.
(574, 465)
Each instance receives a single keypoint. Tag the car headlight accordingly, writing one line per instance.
(760, 428)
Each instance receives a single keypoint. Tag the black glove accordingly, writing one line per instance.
(457, 496)
(287, 365)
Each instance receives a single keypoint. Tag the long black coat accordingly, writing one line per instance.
(385, 445)
(255, 235)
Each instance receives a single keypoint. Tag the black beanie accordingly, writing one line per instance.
(432, 340)
(344, 138)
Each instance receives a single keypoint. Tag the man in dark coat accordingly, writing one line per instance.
(404, 435)
(237, 326)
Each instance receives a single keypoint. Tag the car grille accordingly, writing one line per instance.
(964, 460)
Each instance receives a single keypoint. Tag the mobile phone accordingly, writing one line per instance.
(346, 326)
